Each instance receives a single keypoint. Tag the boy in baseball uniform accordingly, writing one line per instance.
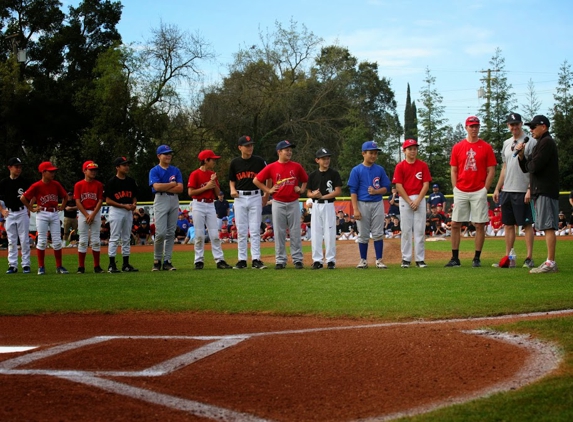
(47, 193)
(289, 180)
(203, 187)
(166, 183)
(324, 185)
(88, 194)
(17, 218)
(412, 179)
(368, 182)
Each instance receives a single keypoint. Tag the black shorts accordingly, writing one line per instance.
(514, 210)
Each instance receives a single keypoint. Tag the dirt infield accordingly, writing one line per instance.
(192, 366)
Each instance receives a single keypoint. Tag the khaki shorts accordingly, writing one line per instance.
(470, 206)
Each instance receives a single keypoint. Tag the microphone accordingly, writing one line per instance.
(526, 140)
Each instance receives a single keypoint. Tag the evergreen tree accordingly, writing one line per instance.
(532, 104)
(563, 123)
(410, 129)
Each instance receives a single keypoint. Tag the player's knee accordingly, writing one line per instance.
(378, 237)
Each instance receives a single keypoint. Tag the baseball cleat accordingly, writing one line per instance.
(546, 267)
(241, 265)
(380, 264)
(298, 265)
(61, 270)
(363, 264)
(528, 263)
(127, 268)
(12, 270)
(476, 263)
(222, 265)
(421, 264)
(316, 266)
(113, 269)
(280, 266)
(199, 265)
(168, 266)
(26, 270)
(41, 270)
(405, 264)
(258, 264)
(81, 270)
(156, 266)
(331, 265)
(98, 270)
(453, 263)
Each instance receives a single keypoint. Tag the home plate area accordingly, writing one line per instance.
(209, 367)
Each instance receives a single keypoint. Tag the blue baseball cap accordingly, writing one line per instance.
(370, 146)
(164, 149)
(285, 144)
(435, 185)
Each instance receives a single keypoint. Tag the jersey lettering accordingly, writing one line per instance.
(48, 198)
(246, 175)
(123, 194)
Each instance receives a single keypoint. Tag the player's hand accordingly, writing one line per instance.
(234, 194)
(357, 215)
(495, 196)
(371, 190)
(527, 198)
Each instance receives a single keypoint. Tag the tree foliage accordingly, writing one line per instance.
(410, 118)
(563, 123)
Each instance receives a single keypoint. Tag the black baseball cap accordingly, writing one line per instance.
(121, 160)
(323, 152)
(514, 118)
(245, 140)
(14, 161)
(538, 120)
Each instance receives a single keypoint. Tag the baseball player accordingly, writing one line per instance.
(324, 185)
(17, 218)
(166, 183)
(412, 179)
(248, 203)
(121, 196)
(47, 193)
(88, 194)
(203, 187)
(286, 176)
(368, 182)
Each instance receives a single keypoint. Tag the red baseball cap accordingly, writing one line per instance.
(46, 166)
(88, 165)
(409, 143)
(472, 121)
(204, 155)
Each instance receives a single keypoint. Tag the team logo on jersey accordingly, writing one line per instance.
(376, 183)
(419, 175)
(471, 164)
(172, 178)
(329, 187)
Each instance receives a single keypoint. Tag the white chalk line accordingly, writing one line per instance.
(543, 359)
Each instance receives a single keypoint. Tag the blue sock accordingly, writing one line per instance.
(363, 247)
(378, 248)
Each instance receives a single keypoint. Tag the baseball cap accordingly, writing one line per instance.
(46, 166)
(89, 165)
(322, 152)
(245, 140)
(433, 206)
(409, 143)
(14, 161)
(472, 120)
(435, 185)
(221, 193)
(164, 149)
(496, 210)
(206, 154)
(538, 120)
(439, 204)
(285, 144)
(370, 146)
(514, 118)
(121, 160)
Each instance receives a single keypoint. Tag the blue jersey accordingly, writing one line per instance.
(362, 177)
(160, 175)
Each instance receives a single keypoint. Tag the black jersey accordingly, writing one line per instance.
(326, 181)
(11, 190)
(242, 171)
(121, 190)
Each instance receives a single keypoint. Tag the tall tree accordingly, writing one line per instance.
(410, 127)
(532, 103)
(563, 123)
(499, 102)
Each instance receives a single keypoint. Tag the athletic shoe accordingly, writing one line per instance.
(405, 264)
(113, 269)
(476, 263)
(199, 265)
(421, 264)
(81, 270)
(26, 270)
(98, 270)
(222, 265)
(363, 264)
(41, 271)
(298, 265)
(316, 266)
(331, 265)
(156, 266)
(129, 269)
(546, 267)
(454, 263)
(380, 265)
(258, 264)
(168, 266)
(61, 270)
(12, 270)
(280, 266)
(241, 265)
(528, 263)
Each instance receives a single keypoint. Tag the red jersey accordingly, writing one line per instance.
(412, 176)
(472, 161)
(47, 194)
(89, 193)
(496, 222)
(200, 178)
(287, 176)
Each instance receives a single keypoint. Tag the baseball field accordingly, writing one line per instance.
(293, 345)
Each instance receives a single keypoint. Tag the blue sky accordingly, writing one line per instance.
(455, 39)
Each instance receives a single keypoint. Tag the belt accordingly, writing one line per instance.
(323, 201)
(48, 209)
(165, 193)
(16, 209)
(248, 192)
(207, 201)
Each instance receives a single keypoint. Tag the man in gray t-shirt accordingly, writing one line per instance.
(512, 189)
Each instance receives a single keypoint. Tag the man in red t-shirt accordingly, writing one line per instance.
(88, 194)
(472, 170)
